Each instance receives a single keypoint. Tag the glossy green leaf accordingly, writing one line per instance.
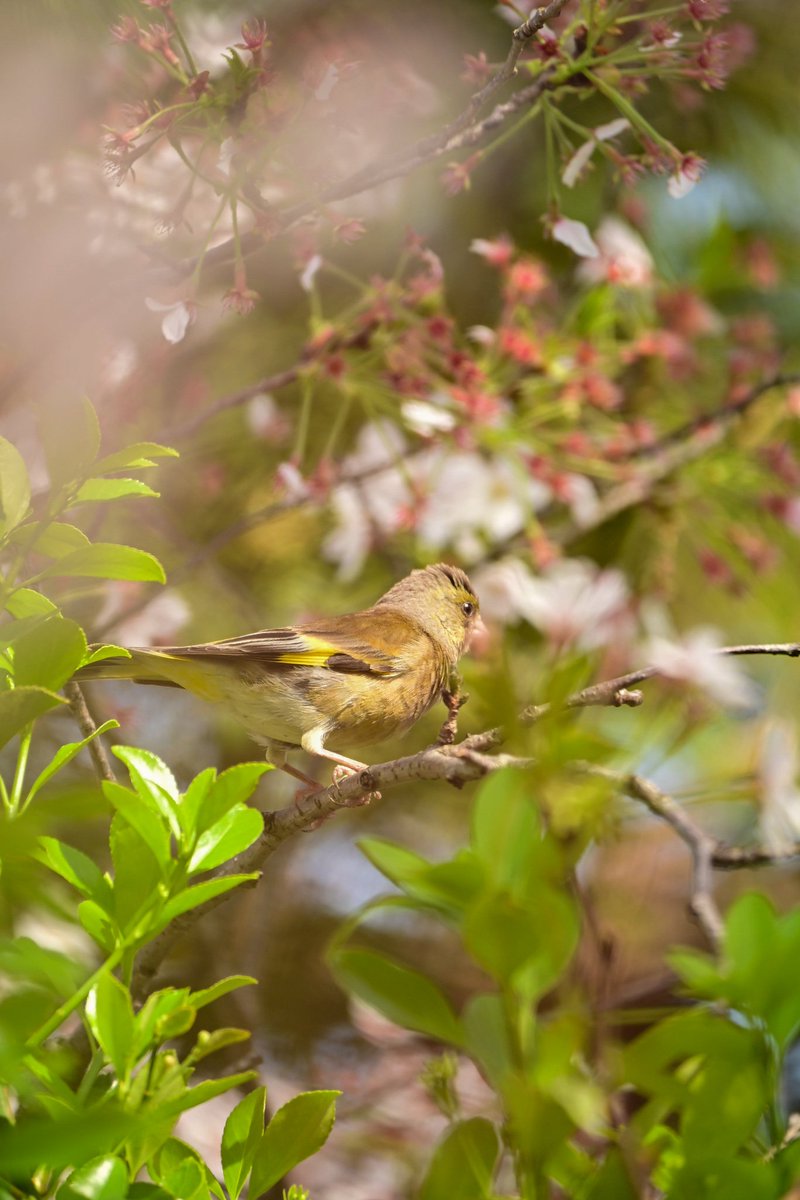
(97, 923)
(49, 655)
(98, 653)
(101, 490)
(137, 875)
(23, 705)
(399, 993)
(238, 829)
(299, 1129)
(57, 539)
(15, 491)
(105, 560)
(240, 1139)
(147, 822)
(140, 454)
(210, 1041)
(104, 1178)
(25, 602)
(64, 755)
(233, 786)
(464, 1163)
(154, 782)
(222, 988)
(201, 893)
(76, 867)
(169, 1165)
(203, 1092)
(109, 1012)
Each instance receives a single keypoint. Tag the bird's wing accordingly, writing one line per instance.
(354, 645)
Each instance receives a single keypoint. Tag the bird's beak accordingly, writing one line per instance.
(478, 635)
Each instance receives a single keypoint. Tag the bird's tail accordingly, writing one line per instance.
(144, 666)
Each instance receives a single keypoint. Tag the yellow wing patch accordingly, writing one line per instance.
(316, 653)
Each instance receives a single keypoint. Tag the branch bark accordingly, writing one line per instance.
(465, 762)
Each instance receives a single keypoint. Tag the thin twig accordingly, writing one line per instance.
(702, 845)
(88, 728)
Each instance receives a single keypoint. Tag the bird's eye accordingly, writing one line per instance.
(468, 608)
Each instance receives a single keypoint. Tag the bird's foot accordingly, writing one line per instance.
(340, 774)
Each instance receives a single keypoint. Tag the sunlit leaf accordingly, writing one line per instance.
(298, 1130)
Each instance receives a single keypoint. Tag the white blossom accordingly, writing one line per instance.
(576, 237)
(176, 319)
(425, 417)
(575, 602)
(779, 817)
(576, 164)
(326, 85)
(623, 257)
(309, 271)
(694, 658)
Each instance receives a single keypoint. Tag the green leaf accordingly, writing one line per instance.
(15, 491)
(71, 441)
(98, 653)
(404, 996)
(298, 1130)
(487, 1038)
(36, 1142)
(507, 834)
(100, 490)
(23, 705)
(524, 946)
(104, 1178)
(209, 1042)
(201, 893)
(154, 782)
(137, 875)
(58, 539)
(105, 560)
(64, 755)
(49, 655)
(221, 988)
(25, 602)
(233, 786)
(97, 923)
(169, 1165)
(76, 867)
(138, 455)
(110, 1015)
(203, 1092)
(464, 1163)
(234, 832)
(240, 1139)
(144, 818)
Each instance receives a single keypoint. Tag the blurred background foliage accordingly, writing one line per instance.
(713, 542)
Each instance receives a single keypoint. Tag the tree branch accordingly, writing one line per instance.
(88, 728)
(464, 130)
(464, 762)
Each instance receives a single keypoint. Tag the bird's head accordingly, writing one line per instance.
(443, 600)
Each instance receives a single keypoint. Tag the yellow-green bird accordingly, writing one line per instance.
(353, 679)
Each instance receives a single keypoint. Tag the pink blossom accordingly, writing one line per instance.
(498, 252)
(177, 318)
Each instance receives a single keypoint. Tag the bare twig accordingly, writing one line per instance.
(682, 446)
(466, 761)
(271, 383)
(463, 131)
(88, 727)
(702, 845)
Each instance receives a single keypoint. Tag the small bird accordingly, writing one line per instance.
(356, 678)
